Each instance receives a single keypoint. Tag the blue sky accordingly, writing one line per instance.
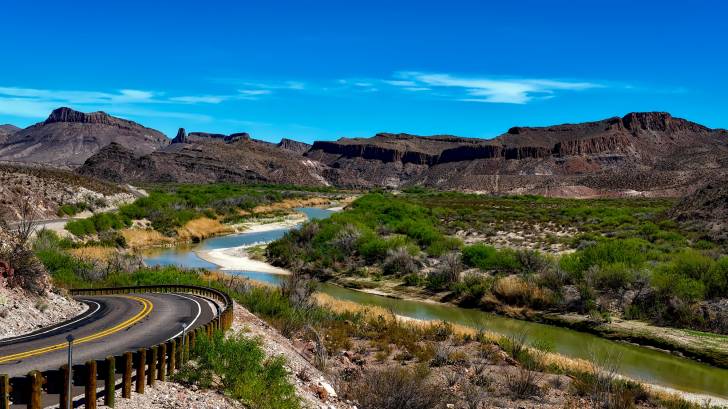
(327, 69)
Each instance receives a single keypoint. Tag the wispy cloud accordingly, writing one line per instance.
(487, 89)
(37, 103)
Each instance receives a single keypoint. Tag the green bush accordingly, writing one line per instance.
(238, 366)
(716, 279)
(488, 258)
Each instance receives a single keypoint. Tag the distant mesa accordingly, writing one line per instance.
(68, 137)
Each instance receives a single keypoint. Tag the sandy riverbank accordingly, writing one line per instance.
(237, 258)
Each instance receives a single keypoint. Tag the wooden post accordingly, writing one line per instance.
(193, 335)
(4, 391)
(110, 382)
(152, 367)
(65, 375)
(186, 351)
(90, 395)
(126, 376)
(35, 379)
(162, 371)
(172, 357)
(140, 370)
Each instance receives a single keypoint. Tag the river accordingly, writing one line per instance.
(645, 364)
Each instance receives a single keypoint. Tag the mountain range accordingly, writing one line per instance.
(643, 153)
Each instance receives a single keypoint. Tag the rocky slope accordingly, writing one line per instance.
(201, 158)
(706, 209)
(649, 153)
(48, 189)
(7, 130)
(67, 138)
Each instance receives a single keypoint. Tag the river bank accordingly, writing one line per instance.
(700, 346)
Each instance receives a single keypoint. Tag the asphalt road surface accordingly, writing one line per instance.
(114, 324)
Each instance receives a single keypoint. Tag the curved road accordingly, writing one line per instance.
(113, 325)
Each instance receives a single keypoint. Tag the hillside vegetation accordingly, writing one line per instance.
(604, 258)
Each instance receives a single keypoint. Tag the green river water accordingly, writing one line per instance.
(636, 362)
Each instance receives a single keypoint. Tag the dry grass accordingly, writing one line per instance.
(202, 228)
(93, 253)
(288, 204)
(514, 290)
(138, 238)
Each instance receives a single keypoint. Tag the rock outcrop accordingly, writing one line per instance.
(294, 146)
(181, 136)
(67, 138)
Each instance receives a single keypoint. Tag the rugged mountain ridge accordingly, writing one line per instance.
(6, 130)
(640, 153)
(203, 158)
(68, 137)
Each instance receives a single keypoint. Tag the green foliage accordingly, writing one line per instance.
(98, 223)
(488, 258)
(716, 279)
(238, 366)
(625, 252)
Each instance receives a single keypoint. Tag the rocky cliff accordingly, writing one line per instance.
(67, 138)
(640, 153)
(294, 146)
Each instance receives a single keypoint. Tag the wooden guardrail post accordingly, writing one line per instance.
(192, 336)
(110, 382)
(4, 392)
(172, 357)
(126, 376)
(186, 349)
(152, 366)
(35, 380)
(65, 376)
(141, 367)
(162, 371)
(90, 392)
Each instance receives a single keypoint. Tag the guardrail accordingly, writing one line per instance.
(134, 368)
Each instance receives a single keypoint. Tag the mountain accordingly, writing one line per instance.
(200, 157)
(67, 138)
(649, 153)
(7, 130)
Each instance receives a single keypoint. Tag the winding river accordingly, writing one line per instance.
(648, 365)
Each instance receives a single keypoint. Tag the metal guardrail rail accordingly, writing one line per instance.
(135, 368)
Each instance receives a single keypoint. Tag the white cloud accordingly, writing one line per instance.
(254, 92)
(488, 89)
(204, 99)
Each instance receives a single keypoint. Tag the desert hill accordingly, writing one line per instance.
(67, 138)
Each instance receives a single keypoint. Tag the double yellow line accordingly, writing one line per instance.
(146, 310)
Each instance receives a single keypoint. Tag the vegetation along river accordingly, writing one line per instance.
(648, 365)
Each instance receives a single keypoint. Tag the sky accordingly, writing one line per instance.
(318, 70)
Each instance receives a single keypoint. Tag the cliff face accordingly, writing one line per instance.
(67, 138)
(651, 151)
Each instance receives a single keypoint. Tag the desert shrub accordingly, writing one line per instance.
(447, 272)
(531, 261)
(716, 278)
(516, 291)
(472, 289)
(395, 388)
(237, 365)
(611, 276)
(399, 262)
(629, 252)
(488, 258)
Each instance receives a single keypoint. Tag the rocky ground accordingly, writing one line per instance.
(47, 189)
(21, 312)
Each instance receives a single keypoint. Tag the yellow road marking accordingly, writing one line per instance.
(146, 310)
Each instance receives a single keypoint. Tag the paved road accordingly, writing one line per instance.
(113, 325)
